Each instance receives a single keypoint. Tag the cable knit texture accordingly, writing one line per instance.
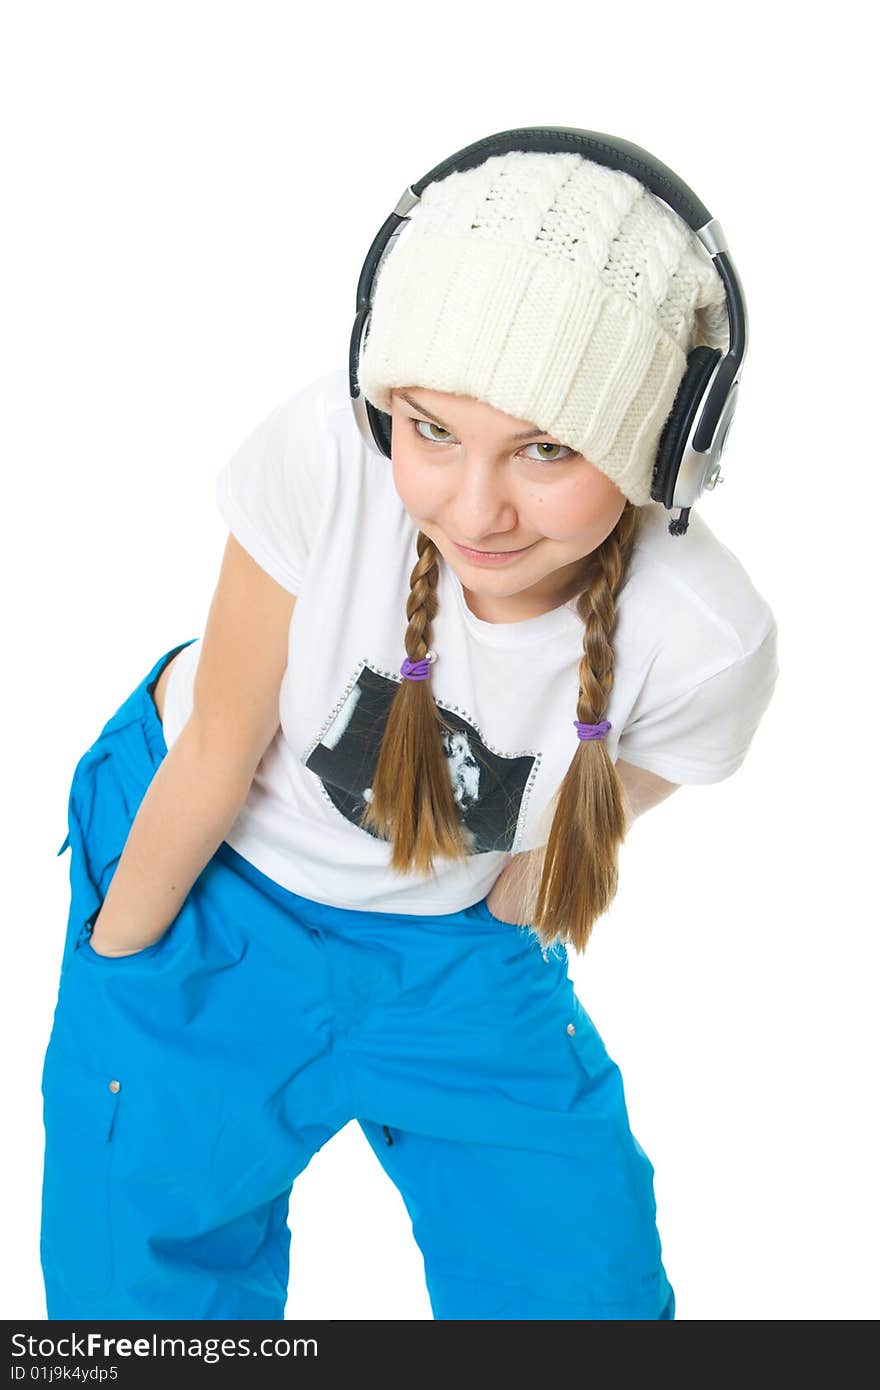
(558, 291)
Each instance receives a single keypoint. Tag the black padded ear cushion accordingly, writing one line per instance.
(700, 365)
(380, 423)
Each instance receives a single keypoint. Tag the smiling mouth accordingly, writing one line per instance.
(479, 551)
(472, 550)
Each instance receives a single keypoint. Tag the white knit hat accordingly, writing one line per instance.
(556, 290)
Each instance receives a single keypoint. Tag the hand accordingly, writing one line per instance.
(103, 943)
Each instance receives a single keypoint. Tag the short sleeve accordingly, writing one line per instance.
(704, 733)
(270, 492)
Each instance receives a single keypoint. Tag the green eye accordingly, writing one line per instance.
(430, 424)
(548, 444)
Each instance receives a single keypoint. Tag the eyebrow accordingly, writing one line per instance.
(523, 434)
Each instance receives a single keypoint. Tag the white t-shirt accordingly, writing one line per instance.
(695, 667)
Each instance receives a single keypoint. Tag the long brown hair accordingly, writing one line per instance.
(412, 802)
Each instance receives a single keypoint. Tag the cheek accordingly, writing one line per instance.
(412, 481)
(586, 512)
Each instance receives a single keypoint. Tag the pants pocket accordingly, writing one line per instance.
(84, 949)
(556, 949)
(79, 1112)
(103, 804)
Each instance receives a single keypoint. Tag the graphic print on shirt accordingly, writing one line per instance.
(489, 787)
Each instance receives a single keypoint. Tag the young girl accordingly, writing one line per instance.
(328, 858)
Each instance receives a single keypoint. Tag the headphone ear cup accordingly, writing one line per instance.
(700, 366)
(377, 421)
(380, 423)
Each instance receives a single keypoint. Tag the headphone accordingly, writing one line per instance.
(696, 429)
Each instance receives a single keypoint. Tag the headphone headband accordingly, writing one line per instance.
(693, 439)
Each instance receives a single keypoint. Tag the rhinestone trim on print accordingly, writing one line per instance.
(331, 718)
(464, 714)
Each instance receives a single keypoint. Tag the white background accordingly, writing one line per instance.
(190, 190)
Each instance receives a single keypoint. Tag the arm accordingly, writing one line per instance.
(201, 784)
(515, 890)
(643, 789)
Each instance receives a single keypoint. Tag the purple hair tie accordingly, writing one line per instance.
(418, 670)
(586, 731)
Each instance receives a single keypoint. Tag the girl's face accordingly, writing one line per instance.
(472, 486)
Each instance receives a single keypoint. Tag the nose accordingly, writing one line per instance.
(481, 505)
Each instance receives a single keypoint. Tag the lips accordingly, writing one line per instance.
(489, 556)
(514, 550)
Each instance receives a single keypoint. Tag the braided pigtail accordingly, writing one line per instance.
(579, 874)
(412, 802)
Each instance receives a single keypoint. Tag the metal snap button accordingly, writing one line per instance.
(114, 1086)
(571, 1028)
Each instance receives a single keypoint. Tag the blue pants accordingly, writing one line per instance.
(186, 1086)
